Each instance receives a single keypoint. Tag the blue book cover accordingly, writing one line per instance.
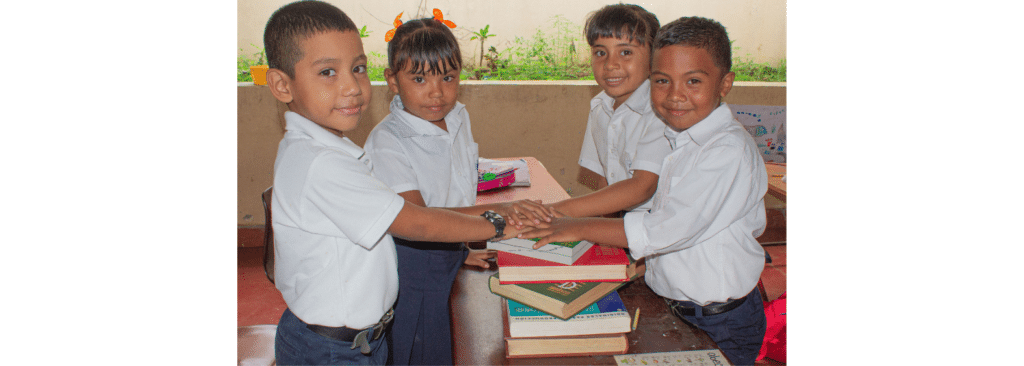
(607, 315)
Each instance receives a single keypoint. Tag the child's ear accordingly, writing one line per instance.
(392, 80)
(280, 85)
(727, 83)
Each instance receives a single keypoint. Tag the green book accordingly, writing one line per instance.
(561, 300)
(558, 252)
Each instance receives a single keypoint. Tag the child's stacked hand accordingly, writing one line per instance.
(525, 212)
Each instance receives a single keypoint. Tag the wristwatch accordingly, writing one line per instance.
(497, 221)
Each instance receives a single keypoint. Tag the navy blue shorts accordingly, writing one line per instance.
(738, 332)
(297, 345)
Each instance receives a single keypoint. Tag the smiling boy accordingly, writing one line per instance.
(699, 237)
(624, 142)
(333, 219)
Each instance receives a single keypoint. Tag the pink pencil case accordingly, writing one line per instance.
(503, 180)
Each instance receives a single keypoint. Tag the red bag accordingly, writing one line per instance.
(774, 345)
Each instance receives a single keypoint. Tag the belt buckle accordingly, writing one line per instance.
(378, 329)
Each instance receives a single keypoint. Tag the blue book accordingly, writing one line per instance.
(607, 315)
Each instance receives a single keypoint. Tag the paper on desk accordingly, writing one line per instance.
(706, 357)
(522, 170)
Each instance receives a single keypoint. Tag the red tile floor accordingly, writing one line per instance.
(260, 302)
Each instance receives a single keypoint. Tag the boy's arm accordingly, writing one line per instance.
(514, 213)
(605, 231)
(434, 224)
(614, 198)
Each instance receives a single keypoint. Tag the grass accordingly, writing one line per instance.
(748, 70)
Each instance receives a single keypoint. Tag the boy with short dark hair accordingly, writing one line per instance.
(624, 142)
(333, 221)
(699, 237)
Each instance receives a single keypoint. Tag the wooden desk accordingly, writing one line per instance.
(477, 336)
(776, 186)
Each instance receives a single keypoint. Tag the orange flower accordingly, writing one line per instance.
(391, 33)
(439, 17)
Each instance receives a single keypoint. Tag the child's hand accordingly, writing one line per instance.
(512, 231)
(525, 212)
(560, 229)
(555, 213)
(478, 257)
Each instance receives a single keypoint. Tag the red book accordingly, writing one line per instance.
(598, 264)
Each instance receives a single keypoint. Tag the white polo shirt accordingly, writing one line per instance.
(617, 142)
(336, 265)
(699, 238)
(411, 154)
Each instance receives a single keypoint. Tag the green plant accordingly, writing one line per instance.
(363, 33)
(244, 62)
(748, 70)
(482, 34)
(375, 65)
(548, 55)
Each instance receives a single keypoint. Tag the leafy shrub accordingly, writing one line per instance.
(244, 61)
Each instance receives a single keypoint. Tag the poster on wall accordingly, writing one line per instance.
(767, 125)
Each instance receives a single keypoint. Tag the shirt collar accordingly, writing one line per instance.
(297, 123)
(414, 126)
(704, 130)
(639, 102)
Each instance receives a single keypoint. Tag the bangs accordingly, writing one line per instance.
(436, 60)
(628, 31)
(427, 47)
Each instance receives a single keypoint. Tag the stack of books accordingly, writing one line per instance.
(557, 309)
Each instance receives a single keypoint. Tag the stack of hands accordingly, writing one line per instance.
(527, 219)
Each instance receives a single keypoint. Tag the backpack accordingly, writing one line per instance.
(774, 345)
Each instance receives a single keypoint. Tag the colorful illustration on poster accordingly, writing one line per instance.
(767, 125)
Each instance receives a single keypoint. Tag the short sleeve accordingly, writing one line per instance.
(653, 146)
(390, 162)
(347, 198)
(588, 153)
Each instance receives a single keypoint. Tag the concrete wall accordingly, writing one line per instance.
(758, 27)
(542, 119)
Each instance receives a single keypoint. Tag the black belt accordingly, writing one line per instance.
(689, 308)
(358, 337)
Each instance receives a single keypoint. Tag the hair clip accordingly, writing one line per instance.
(439, 17)
(391, 33)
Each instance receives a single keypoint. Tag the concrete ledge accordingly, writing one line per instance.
(543, 119)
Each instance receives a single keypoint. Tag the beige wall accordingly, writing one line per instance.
(545, 120)
(758, 27)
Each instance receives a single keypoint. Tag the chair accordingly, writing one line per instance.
(256, 345)
(268, 236)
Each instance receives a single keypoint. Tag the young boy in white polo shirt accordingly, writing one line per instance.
(332, 219)
(625, 142)
(699, 237)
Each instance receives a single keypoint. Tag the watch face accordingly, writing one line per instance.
(497, 220)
